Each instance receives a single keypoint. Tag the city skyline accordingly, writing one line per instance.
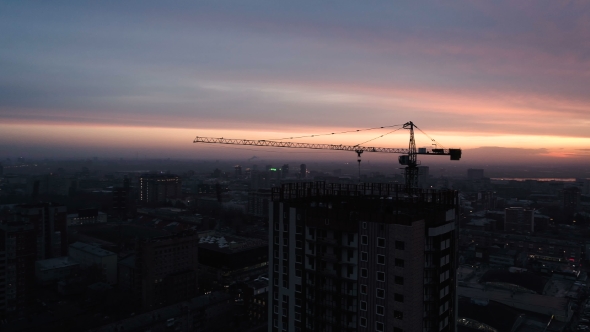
(114, 80)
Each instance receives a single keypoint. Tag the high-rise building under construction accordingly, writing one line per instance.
(367, 257)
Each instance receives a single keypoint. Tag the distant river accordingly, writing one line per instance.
(535, 179)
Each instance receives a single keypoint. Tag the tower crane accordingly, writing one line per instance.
(409, 157)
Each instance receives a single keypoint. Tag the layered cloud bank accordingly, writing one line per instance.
(145, 75)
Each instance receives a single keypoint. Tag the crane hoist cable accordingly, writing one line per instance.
(335, 133)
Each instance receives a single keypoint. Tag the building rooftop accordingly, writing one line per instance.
(55, 263)
(480, 222)
(491, 313)
(91, 249)
(225, 243)
(524, 279)
(536, 302)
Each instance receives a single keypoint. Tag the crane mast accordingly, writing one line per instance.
(409, 156)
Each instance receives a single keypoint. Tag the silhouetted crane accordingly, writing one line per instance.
(409, 157)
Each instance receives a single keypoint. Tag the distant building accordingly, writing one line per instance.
(166, 269)
(258, 202)
(157, 188)
(303, 171)
(254, 299)
(237, 171)
(475, 174)
(121, 199)
(519, 220)
(86, 216)
(260, 180)
(285, 171)
(507, 258)
(230, 258)
(18, 252)
(91, 256)
(570, 200)
(50, 223)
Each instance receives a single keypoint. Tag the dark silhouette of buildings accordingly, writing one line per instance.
(17, 268)
(519, 219)
(165, 269)
(232, 258)
(27, 233)
(368, 257)
(157, 188)
(121, 199)
(303, 171)
(50, 223)
(571, 200)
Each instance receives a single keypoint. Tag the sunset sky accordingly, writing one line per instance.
(120, 79)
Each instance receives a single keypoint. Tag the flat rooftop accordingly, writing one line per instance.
(91, 249)
(56, 263)
(230, 244)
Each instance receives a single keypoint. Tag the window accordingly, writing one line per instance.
(298, 288)
(298, 273)
(298, 244)
(380, 276)
(381, 259)
(397, 329)
(364, 273)
(364, 289)
(364, 256)
(285, 299)
(297, 302)
(380, 242)
(398, 297)
(399, 262)
(364, 225)
(276, 226)
(398, 315)
(350, 238)
(379, 327)
(298, 317)
(276, 267)
(399, 280)
(364, 239)
(285, 255)
(363, 322)
(276, 255)
(276, 309)
(298, 259)
(363, 305)
(298, 229)
(380, 310)
(380, 293)
(400, 245)
(285, 283)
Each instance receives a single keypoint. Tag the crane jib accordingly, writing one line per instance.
(454, 153)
